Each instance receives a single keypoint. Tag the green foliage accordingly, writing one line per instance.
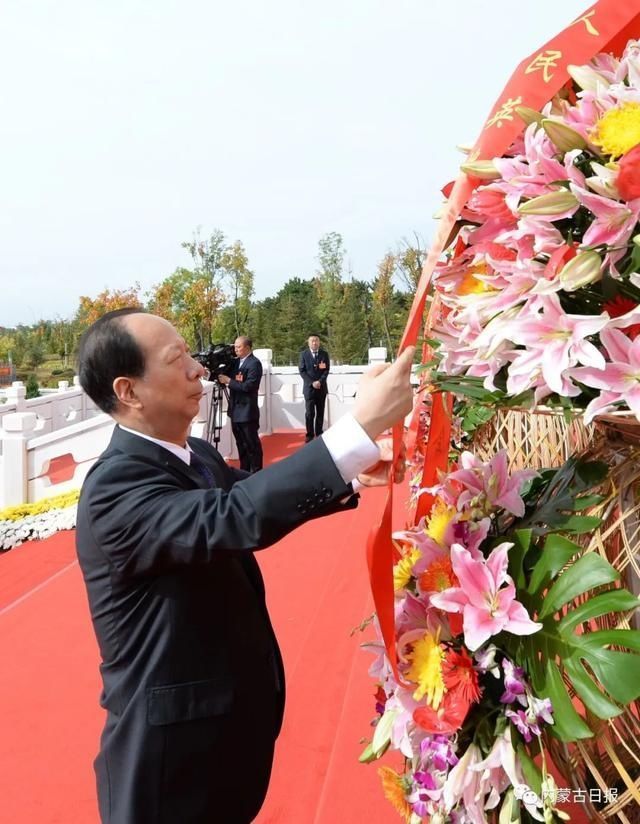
(566, 589)
(350, 341)
(32, 387)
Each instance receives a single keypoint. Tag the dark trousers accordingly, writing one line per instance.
(248, 443)
(314, 413)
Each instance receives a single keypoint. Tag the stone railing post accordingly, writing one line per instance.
(17, 427)
(377, 354)
(63, 386)
(265, 356)
(17, 393)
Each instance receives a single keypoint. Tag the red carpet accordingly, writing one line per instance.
(49, 684)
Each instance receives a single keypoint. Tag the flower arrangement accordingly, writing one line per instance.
(26, 522)
(541, 286)
(496, 610)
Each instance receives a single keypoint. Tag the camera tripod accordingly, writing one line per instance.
(215, 422)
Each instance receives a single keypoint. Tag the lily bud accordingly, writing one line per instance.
(482, 169)
(636, 240)
(584, 268)
(586, 77)
(563, 137)
(555, 203)
(529, 115)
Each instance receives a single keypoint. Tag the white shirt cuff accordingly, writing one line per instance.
(351, 448)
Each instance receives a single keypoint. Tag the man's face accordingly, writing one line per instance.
(314, 343)
(168, 394)
(242, 350)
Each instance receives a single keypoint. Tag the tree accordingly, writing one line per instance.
(35, 354)
(239, 279)
(32, 387)
(350, 339)
(331, 254)
(383, 296)
(410, 259)
(6, 347)
(90, 309)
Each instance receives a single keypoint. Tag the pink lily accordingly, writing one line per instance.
(485, 597)
(488, 486)
(619, 378)
(614, 224)
(559, 339)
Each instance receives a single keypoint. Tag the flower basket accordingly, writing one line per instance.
(537, 439)
(611, 759)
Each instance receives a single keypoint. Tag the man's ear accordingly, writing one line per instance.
(125, 391)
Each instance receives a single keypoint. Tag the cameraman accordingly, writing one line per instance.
(243, 379)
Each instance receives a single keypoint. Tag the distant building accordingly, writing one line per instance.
(7, 373)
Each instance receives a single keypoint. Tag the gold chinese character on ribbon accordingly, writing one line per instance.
(591, 29)
(505, 112)
(544, 62)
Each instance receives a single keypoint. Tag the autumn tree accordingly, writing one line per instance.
(238, 280)
(90, 309)
(410, 259)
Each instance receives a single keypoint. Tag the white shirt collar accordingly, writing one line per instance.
(182, 452)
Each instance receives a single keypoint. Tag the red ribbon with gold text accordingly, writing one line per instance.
(605, 26)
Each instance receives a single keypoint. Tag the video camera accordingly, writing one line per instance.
(216, 359)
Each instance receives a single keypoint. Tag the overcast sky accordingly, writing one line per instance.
(127, 124)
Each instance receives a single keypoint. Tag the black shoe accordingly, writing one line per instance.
(308, 439)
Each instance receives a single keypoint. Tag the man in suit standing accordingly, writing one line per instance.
(193, 683)
(243, 381)
(314, 368)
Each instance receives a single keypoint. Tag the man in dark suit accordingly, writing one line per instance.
(243, 381)
(193, 682)
(314, 368)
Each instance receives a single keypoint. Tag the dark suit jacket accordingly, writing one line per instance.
(177, 602)
(311, 372)
(243, 391)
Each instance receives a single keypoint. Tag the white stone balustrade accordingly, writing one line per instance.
(65, 427)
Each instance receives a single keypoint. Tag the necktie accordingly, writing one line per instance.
(203, 470)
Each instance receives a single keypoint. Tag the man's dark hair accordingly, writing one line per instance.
(313, 335)
(108, 351)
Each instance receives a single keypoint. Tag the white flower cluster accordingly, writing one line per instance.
(32, 527)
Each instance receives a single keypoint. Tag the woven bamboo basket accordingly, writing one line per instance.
(538, 439)
(606, 768)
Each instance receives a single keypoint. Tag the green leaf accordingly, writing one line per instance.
(618, 672)
(568, 725)
(521, 544)
(587, 501)
(588, 572)
(532, 774)
(629, 638)
(593, 698)
(615, 600)
(557, 552)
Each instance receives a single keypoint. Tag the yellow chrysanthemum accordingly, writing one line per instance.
(426, 669)
(618, 130)
(394, 791)
(439, 520)
(402, 570)
(16, 513)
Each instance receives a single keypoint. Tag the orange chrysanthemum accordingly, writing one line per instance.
(394, 791)
(438, 576)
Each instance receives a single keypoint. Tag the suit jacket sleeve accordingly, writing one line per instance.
(146, 522)
(302, 368)
(325, 372)
(251, 383)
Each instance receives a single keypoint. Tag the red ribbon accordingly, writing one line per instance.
(605, 26)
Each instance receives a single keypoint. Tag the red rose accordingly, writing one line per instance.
(628, 181)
